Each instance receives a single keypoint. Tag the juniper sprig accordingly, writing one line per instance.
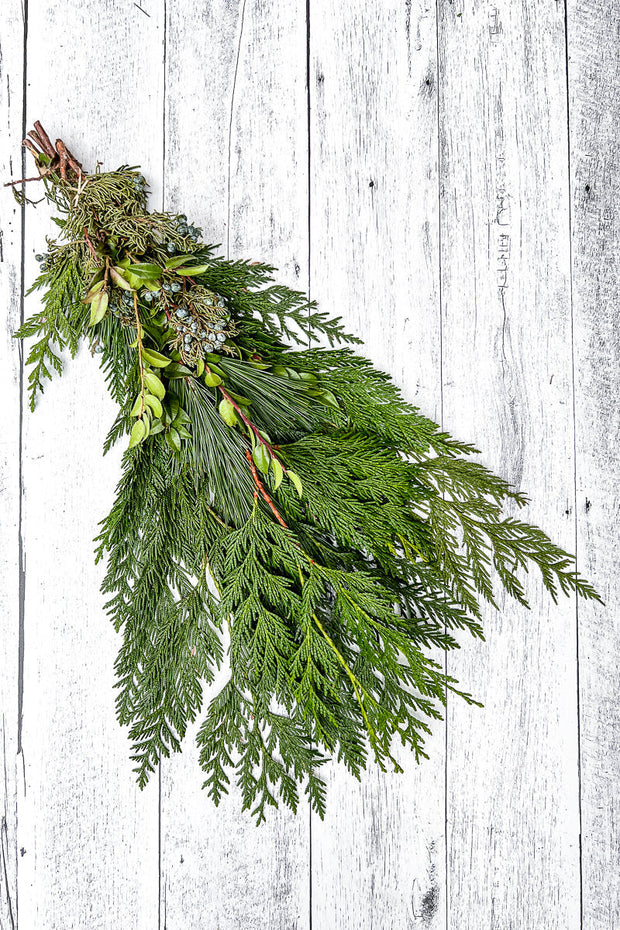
(282, 510)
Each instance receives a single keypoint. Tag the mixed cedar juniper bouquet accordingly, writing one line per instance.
(282, 509)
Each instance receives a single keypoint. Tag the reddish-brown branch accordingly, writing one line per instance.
(60, 158)
(40, 136)
(67, 158)
(22, 181)
(261, 488)
(91, 247)
(247, 422)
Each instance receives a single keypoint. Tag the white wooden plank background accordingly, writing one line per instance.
(446, 177)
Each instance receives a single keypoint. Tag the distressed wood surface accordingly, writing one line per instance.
(512, 792)
(446, 178)
(594, 109)
(87, 837)
(246, 186)
(11, 552)
(378, 858)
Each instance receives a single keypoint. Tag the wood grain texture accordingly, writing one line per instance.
(594, 86)
(246, 184)
(11, 780)
(378, 858)
(89, 838)
(420, 184)
(513, 811)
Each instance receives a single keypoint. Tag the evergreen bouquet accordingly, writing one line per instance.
(281, 508)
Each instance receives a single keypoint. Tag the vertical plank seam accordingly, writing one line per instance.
(230, 127)
(441, 416)
(160, 877)
(20, 516)
(309, 283)
(574, 411)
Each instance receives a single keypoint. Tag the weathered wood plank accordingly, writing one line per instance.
(237, 165)
(594, 86)
(513, 827)
(11, 781)
(87, 837)
(378, 859)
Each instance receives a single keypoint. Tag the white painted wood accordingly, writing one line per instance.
(378, 859)
(89, 837)
(237, 165)
(513, 809)
(79, 845)
(11, 782)
(594, 74)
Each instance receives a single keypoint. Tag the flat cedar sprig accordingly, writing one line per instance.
(281, 510)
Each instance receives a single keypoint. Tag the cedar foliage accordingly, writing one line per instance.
(282, 510)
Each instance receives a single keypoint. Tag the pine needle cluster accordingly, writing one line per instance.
(282, 511)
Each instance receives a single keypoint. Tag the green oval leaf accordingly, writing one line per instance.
(172, 406)
(155, 358)
(175, 370)
(241, 400)
(328, 398)
(145, 270)
(296, 481)
(278, 473)
(200, 367)
(138, 433)
(261, 458)
(98, 307)
(154, 403)
(212, 380)
(172, 263)
(173, 439)
(195, 269)
(154, 385)
(94, 290)
(227, 412)
(119, 279)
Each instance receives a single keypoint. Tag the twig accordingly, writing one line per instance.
(91, 247)
(261, 488)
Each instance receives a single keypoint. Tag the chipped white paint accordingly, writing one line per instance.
(428, 194)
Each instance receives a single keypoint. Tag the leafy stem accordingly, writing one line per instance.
(139, 342)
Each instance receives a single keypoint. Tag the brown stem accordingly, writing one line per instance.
(139, 338)
(261, 488)
(43, 139)
(248, 423)
(91, 247)
(22, 181)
